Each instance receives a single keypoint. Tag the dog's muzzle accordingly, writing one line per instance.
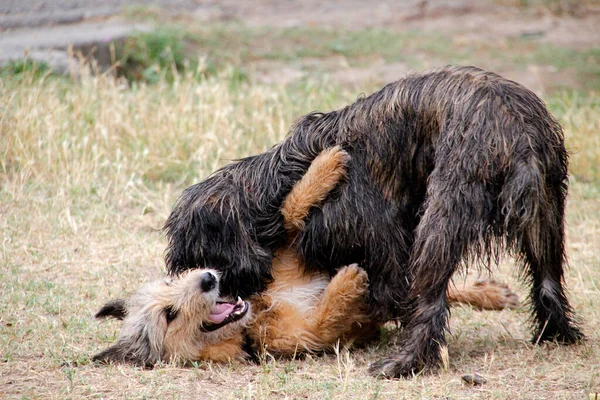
(224, 313)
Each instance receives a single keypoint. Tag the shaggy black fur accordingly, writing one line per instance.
(446, 167)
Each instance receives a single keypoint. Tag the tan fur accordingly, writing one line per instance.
(484, 295)
(338, 313)
(227, 350)
(146, 337)
(299, 312)
(182, 340)
(324, 173)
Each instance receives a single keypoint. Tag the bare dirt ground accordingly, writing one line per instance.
(40, 13)
(474, 20)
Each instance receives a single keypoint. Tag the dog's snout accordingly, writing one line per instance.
(208, 282)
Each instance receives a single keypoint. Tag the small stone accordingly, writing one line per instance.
(474, 380)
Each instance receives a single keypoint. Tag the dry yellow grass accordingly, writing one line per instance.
(580, 117)
(90, 170)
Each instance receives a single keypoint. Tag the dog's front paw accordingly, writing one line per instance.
(402, 366)
(339, 155)
(354, 272)
(354, 278)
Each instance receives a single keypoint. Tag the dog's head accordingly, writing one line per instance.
(217, 224)
(175, 319)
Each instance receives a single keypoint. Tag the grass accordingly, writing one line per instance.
(145, 55)
(241, 48)
(579, 116)
(26, 68)
(89, 171)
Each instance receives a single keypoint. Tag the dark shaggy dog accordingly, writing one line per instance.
(446, 167)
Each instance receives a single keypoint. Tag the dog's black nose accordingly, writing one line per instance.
(207, 282)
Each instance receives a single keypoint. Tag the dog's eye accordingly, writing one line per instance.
(171, 314)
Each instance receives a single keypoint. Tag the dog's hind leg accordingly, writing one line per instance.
(341, 313)
(544, 256)
(343, 308)
(484, 295)
(532, 204)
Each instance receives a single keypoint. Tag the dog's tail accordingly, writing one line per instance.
(536, 180)
(505, 139)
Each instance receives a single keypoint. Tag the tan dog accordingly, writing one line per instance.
(183, 319)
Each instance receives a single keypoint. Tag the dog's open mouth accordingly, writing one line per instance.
(224, 313)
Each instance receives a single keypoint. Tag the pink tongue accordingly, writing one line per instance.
(220, 312)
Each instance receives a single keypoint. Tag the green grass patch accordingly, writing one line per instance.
(240, 45)
(165, 54)
(24, 69)
(149, 56)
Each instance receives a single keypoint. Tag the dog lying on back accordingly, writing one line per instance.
(184, 319)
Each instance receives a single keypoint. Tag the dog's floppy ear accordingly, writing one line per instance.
(140, 341)
(117, 353)
(115, 308)
(122, 352)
